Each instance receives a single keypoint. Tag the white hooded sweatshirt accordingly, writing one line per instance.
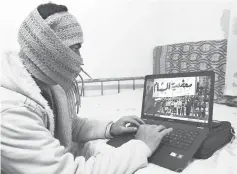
(27, 142)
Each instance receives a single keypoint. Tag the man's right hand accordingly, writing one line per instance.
(152, 135)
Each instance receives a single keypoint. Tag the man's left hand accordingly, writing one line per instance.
(119, 127)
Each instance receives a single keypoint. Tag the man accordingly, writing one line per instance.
(40, 128)
(172, 106)
(188, 107)
(168, 109)
(179, 106)
(203, 108)
(175, 107)
(182, 106)
(163, 106)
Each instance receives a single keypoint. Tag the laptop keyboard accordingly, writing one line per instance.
(180, 138)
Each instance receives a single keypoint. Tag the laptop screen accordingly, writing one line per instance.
(181, 98)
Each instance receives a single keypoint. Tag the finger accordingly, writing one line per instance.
(132, 121)
(153, 126)
(160, 128)
(165, 132)
(134, 118)
(138, 119)
(129, 129)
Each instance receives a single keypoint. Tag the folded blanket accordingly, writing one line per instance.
(228, 100)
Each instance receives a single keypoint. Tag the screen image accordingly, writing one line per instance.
(182, 98)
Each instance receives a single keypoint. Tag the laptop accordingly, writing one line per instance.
(183, 101)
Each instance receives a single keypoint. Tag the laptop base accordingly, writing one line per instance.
(171, 158)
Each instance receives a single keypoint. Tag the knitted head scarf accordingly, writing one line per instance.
(46, 54)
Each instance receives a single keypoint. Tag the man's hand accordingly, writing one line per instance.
(152, 135)
(119, 127)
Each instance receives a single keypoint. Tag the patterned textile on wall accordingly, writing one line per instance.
(193, 56)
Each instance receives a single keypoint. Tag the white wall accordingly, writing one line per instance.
(120, 35)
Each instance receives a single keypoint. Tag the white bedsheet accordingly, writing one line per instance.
(113, 107)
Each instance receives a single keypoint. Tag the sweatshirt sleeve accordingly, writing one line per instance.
(90, 129)
(28, 147)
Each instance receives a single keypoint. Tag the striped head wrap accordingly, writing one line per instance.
(45, 52)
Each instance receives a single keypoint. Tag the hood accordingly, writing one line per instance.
(16, 78)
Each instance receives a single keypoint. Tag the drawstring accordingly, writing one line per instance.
(82, 82)
(78, 98)
(85, 73)
(78, 94)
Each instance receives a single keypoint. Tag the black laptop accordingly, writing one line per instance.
(183, 101)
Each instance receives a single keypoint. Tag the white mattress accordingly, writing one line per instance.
(114, 106)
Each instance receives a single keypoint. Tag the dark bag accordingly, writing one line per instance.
(221, 134)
